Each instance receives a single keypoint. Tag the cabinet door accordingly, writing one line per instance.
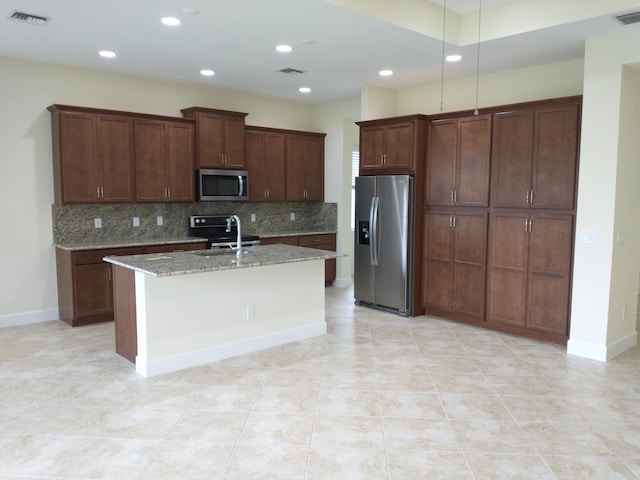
(209, 138)
(93, 288)
(233, 143)
(314, 169)
(150, 160)
(555, 157)
(470, 254)
(438, 261)
(295, 168)
(507, 269)
(399, 147)
(274, 166)
(115, 156)
(550, 273)
(78, 162)
(372, 147)
(179, 155)
(256, 166)
(511, 158)
(473, 160)
(441, 161)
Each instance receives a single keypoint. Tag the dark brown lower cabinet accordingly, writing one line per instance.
(85, 282)
(529, 274)
(455, 263)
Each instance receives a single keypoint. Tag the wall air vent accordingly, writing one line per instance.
(629, 18)
(27, 18)
(290, 71)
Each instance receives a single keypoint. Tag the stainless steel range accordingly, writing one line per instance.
(219, 231)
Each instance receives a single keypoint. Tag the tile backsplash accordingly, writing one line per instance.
(76, 223)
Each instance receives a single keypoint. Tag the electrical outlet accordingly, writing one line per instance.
(293, 216)
(251, 311)
(624, 312)
(97, 222)
(136, 221)
(253, 217)
(159, 220)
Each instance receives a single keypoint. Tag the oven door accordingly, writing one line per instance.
(222, 185)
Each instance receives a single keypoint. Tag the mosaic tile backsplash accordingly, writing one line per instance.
(76, 223)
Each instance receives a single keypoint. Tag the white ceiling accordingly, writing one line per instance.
(339, 49)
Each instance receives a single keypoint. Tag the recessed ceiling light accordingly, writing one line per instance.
(171, 21)
(385, 73)
(304, 90)
(107, 53)
(207, 73)
(453, 58)
(284, 48)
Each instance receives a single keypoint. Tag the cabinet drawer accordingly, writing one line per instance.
(290, 240)
(176, 247)
(321, 241)
(85, 257)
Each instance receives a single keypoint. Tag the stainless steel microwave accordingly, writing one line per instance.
(222, 185)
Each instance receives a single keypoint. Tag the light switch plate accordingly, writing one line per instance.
(590, 237)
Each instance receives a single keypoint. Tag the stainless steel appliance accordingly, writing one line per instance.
(214, 229)
(384, 242)
(222, 185)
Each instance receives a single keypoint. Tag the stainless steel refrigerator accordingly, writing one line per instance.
(384, 242)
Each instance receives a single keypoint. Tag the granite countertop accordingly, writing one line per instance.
(294, 232)
(199, 261)
(121, 243)
(99, 244)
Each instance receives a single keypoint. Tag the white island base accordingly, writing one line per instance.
(186, 320)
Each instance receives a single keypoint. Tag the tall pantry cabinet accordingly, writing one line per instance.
(500, 216)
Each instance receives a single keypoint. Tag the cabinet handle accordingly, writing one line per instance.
(455, 196)
(531, 197)
(454, 221)
(168, 192)
(451, 196)
(530, 224)
(526, 224)
(450, 221)
(527, 197)
(98, 192)
(109, 274)
(223, 158)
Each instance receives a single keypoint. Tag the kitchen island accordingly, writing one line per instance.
(182, 309)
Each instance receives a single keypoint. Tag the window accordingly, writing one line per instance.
(355, 170)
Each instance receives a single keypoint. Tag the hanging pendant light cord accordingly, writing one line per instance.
(444, 22)
(476, 112)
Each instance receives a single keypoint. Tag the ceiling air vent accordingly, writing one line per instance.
(629, 18)
(290, 71)
(28, 18)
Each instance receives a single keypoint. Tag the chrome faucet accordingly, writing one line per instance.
(236, 219)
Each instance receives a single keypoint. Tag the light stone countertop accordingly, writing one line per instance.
(97, 244)
(199, 261)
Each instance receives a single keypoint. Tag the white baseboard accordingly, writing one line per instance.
(26, 318)
(343, 282)
(600, 352)
(173, 363)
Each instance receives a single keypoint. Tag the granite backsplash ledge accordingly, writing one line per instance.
(76, 223)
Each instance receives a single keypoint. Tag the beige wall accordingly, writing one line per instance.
(606, 274)
(28, 289)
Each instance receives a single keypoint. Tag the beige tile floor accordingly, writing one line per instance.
(380, 397)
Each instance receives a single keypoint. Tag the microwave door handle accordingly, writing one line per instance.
(241, 182)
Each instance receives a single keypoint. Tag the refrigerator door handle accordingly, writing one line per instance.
(373, 228)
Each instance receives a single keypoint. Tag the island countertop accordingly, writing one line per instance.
(199, 261)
